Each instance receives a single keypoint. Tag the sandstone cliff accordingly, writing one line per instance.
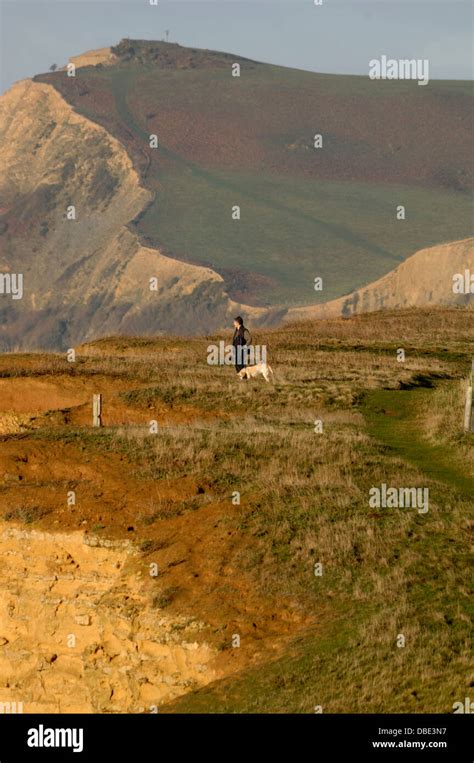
(424, 279)
(68, 195)
(80, 634)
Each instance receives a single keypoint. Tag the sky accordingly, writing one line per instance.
(339, 36)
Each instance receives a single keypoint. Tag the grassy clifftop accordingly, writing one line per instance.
(249, 568)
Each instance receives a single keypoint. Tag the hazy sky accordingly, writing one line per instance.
(341, 36)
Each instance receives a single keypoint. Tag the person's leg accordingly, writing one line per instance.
(239, 358)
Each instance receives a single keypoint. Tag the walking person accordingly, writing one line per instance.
(241, 341)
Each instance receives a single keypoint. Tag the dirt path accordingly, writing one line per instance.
(393, 417)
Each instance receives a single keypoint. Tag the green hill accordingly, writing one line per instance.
(249, 141)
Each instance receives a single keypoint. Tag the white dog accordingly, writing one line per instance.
(250, 372)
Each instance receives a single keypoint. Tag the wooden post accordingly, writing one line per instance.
(468, 405)
(97, 411)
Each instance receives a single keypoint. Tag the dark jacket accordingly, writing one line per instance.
(241, 337)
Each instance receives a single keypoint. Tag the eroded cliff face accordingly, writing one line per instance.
(69, 195)
(80, 632)
(68, 192)
(102, 56)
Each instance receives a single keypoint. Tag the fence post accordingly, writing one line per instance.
(468, 405)
(97, 411)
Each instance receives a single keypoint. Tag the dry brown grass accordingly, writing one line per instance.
(440, 418)
(304, 501)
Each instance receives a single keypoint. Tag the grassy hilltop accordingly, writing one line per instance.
(248, 569)
(249, 141)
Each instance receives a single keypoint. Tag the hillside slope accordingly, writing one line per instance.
(423, 280)
(165, 213)
(89, 275)
(249, 141)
